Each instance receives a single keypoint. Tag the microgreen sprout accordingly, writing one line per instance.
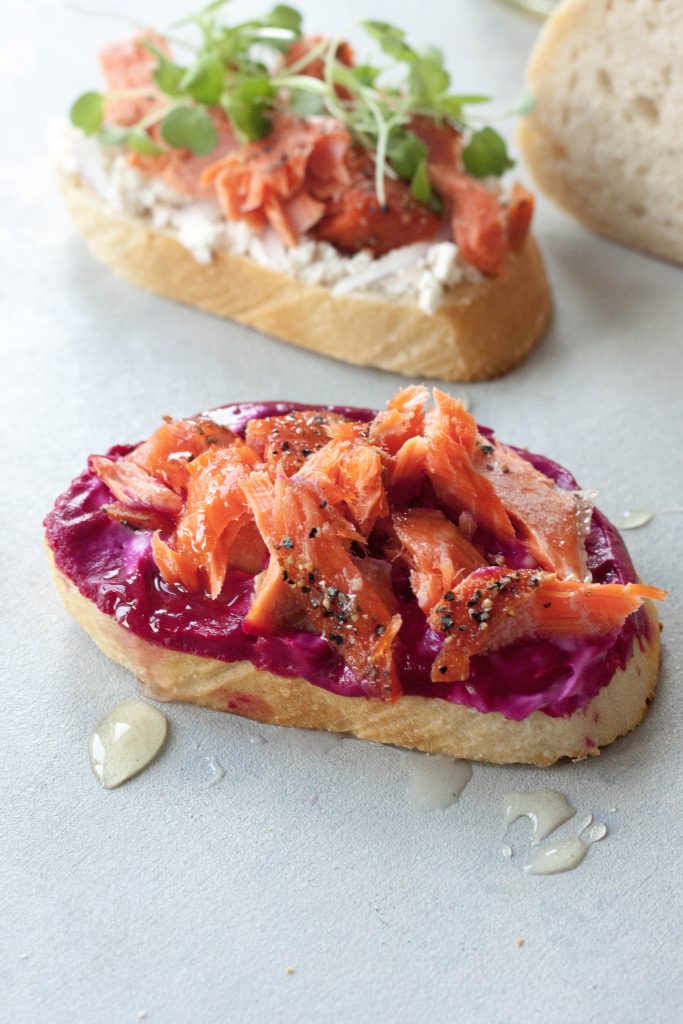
(239, 68)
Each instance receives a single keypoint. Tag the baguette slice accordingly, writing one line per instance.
(483, 330)
(604, 140)
(423, 723)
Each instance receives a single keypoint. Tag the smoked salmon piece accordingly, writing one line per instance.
(402, 419)
(354, 219)
(128, 64)
(551, 522)
(275, 606)
(493, 607)
(436, 551)
(167, 454)
(135, 488)
(410, 462)
(214, 517)
(285, 442)
(397, 430)
(477, 218)
(450, 434)
(348, 471)
(274, 179)
(138, 518)
(443, 142)
(175, 566)
(520, 211)
(315, 67)
(338, 594)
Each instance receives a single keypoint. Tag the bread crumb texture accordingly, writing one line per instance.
(604, 140)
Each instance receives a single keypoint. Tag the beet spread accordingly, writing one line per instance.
(113, 566)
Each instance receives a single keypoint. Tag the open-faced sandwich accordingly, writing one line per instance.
(350, 208)
(404, 577)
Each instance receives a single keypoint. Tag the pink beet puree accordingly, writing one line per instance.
(112, 565)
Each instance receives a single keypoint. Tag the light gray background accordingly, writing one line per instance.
(190, 903)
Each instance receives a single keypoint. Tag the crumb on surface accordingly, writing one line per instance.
(291, 970)
(520, 942)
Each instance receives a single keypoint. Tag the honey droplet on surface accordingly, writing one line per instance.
(125, 741)
(554, 860)
(546, 809)
(633, 519)
(435, 781)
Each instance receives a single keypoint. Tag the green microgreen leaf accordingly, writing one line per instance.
(486, 154)
(419, 184)
(390, 38)
(428, 78)
(305, 103)
(190, 128)
(406, 152)
(246, 105)
(113, 135)
(283, 16)
(167, 74)
(132, 138)
(87, 112)
(365, 74)
(204, 81)
(141, 142)
(201, 15)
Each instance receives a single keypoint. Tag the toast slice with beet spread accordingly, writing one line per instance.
(403, 577)
(346, 207)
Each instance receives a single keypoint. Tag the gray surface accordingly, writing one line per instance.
(190, 903)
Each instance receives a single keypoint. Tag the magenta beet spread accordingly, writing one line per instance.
(112, 565)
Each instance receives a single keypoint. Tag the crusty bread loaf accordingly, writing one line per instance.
(604, 140)
(481, 331)
(427, 724)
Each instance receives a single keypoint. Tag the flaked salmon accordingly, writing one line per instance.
(450, 435)
(128, 65)
(438, 554)
(134, 487)
(348, 470)
(338, 596)
(286, 442)
(168, 453)
(493, 607)
(212, 532)
(274, 179)
(551, 522)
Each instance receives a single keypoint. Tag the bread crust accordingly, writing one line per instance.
(602, 140)
(483, 330)
(426, 724)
